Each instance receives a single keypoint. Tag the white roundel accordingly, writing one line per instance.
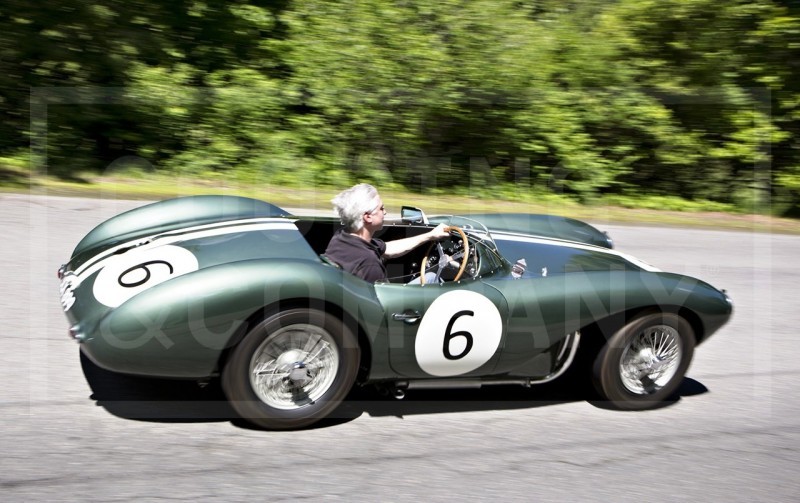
(134, 271)
(460, 332)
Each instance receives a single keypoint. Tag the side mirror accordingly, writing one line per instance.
(411, 215)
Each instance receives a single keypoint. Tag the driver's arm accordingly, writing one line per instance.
(400, 247)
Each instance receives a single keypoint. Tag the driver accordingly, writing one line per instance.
(354, 248)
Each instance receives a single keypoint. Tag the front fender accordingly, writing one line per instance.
(544, 310)
(594, 296)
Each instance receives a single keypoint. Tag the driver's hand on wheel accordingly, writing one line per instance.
(438, 233)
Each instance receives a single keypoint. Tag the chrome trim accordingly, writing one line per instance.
(408, 317)
(575, 340)
(570, 347)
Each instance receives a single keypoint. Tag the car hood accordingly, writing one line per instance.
(551, 226)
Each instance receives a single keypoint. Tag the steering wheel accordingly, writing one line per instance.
(442, 256)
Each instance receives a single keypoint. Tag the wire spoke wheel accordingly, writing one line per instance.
(642, 364)
(650, 360)
(294, 367)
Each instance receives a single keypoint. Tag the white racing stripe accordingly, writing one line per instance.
(170, 237)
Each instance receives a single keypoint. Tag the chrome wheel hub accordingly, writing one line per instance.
(294, 367)
(651, 359)
(300, 375)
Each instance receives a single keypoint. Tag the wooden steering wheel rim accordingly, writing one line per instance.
(464, 260)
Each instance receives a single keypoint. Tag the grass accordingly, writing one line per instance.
(156, 187)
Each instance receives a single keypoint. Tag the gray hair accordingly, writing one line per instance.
(352, 203)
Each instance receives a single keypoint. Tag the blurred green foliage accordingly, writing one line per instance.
(659, 101)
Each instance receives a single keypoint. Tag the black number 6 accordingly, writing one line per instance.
(448, 336)
(147, 275)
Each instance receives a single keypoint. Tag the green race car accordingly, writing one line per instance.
(229, 287)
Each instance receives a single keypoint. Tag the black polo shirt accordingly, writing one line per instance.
(358, 257)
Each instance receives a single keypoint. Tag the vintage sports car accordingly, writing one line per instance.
(235, 288)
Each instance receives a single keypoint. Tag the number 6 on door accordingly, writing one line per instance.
(460, 332)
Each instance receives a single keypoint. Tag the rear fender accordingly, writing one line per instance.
(180, 328)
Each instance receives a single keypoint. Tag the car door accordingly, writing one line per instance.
(449, 330)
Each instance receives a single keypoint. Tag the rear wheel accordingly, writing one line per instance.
(644, 362)
(292, 369)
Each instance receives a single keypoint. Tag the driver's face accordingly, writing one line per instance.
(374, 219)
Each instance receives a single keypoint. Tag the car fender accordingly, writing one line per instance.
(181, 327)
(544, 310)
(590, 297)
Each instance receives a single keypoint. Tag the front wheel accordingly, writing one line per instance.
(292, 369)
(644, 362)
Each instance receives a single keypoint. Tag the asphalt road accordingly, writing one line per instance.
(733, 435)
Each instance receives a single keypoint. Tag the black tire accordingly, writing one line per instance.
(292, 369)
(644, 362)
